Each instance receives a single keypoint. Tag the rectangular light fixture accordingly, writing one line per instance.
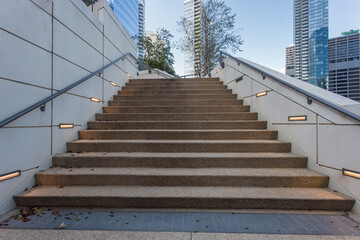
(128, 74)
(93, 99)
(217, 71)
(66, 125)
(114, 84)
(260, 94)
(298, 118)
(10, 175)
(351, 173)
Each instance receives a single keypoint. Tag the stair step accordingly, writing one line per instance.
(175, 116)
(174, 97)
(178, 134)
(240, 177)
(178, 146)
(189, 102)
(176, 109)
(175, 92)
(233, 124)
(180, 160)
(172, 88)
(185, 197)
(164, 84)
(175, 80)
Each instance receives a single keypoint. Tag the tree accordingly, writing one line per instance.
(217, 33)
(89, 2)
(157, 48)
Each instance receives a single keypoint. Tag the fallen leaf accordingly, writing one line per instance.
(61, 226)
(78, 218)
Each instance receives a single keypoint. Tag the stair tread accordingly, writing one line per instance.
(182, 155)
(257, 193)
(241, 172)
(187, 121)
(174, 141)
(180, 130)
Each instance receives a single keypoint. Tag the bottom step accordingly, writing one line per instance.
(185, 197)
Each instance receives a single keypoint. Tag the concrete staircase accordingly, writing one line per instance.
(185, 143)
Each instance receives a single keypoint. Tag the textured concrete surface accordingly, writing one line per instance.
(251, 177)
(180, 160)
(186, 197)
(176, 109)
(189, 102)
(191, 222)
(87, 235)
(178, 134)
(178, 146)
(174, 116)
(235, 124)
(174, 119)
(179, 96)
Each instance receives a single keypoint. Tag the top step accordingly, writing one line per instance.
(175, 80)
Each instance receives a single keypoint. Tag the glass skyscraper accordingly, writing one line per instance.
(192, 15)
(311, 41)
(131, 14)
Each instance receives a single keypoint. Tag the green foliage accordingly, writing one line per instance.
(158, 50)
(89, 2)
(217, 33)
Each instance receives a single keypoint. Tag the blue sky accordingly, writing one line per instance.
(267, 25)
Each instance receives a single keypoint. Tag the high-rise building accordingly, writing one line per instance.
(290, 60)
(192, 16)
(131, 14)
(344, 65)
(311, 41)
(141, 26)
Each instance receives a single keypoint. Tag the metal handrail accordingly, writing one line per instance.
(51, 97)
(306, 93)
(155, 70)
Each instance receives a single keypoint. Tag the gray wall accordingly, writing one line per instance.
(45, 46)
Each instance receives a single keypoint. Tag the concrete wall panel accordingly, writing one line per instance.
(23, 61)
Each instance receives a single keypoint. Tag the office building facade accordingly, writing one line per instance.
(344, 65)
(311, 41)
(192, 16)
(131, 14)
(290, 60)
(141, 26)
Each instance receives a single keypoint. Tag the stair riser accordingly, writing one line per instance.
(177, 125)
(107, 161)
(178, 80)
(265, 135)
(192, 203)
(176, 103)
(173, 88)
(138, 180)
(175, 92)
(167, 97)
(189, 84)
(174, 117)
(177, 147)
(189, 109)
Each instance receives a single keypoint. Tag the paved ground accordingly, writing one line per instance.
(191, 222)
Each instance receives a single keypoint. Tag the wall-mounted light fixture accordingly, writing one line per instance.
(128, 74)
(114, 84)
(351, 173)
(10, 175)
(260, 94)
(298, 118)
(66, 125)
(93, 99)
(222, 64)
